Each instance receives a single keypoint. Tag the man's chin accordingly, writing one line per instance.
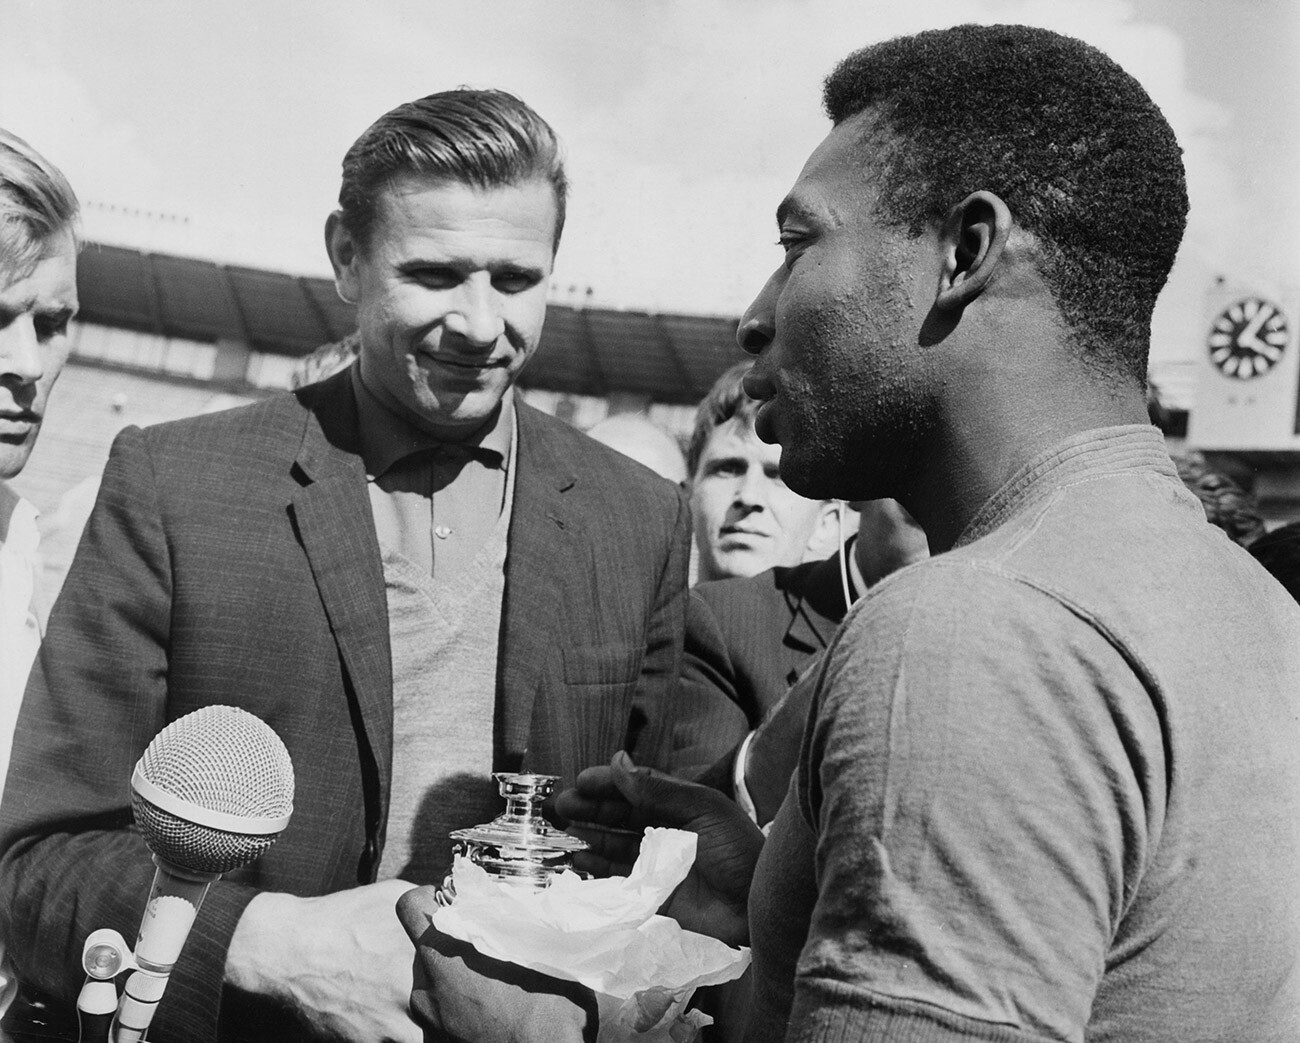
(743, 563)
(804, 476)
(444, 411)
(817, 479)
(13, 457)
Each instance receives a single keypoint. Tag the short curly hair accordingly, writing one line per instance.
(484, 138)
(1072, 144)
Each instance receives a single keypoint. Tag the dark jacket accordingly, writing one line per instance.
(747, 641)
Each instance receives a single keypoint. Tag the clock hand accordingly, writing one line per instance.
(1248, 338)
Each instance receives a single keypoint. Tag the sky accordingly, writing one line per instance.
(216, 130)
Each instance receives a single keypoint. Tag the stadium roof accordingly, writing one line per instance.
(585, 350)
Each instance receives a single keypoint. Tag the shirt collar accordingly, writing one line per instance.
(387, 436)
(17, 521)
(1124, 448)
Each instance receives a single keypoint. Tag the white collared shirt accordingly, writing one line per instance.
(20, 627)
(20, 637)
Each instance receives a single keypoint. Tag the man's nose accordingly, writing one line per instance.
(476, 314)
(20, 351)
(756, 327)
(751, 488)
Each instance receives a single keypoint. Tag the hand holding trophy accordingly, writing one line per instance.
(515, 946)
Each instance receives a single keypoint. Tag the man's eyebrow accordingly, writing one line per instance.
(519, 268)
(461, 264)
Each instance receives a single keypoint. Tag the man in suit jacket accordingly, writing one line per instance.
(749, 639)
(511, 594)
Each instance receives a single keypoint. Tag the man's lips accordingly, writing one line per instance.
(763, 390)
(466, 365)
(18, 422)
(765, 421)
(756, 386)
(742, 533)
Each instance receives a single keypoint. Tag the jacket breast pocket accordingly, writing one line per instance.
(602, 664)
(601, 681)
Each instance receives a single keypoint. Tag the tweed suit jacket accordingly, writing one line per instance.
(232, 558)
(747, 641)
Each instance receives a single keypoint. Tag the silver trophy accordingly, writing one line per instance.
(518, 847)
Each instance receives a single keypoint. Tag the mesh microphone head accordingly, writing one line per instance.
(213, 790)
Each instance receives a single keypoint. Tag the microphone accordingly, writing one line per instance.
(213, 791)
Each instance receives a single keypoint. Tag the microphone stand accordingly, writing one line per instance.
(103, 957)
(174, 901)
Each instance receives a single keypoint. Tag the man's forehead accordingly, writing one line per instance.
(50, 283)
(736, 436)
(405, 186)
(415, 202)
(839, 173)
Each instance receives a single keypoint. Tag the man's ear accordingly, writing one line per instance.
(825, 538)
(973, 238)
(342, 248)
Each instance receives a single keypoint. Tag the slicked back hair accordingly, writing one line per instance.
(36, 202)
(725, 401)
(483, 138)
(1072, 144)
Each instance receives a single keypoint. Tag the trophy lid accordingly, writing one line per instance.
(520, 832)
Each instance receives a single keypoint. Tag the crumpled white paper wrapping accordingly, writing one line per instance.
(604, 934)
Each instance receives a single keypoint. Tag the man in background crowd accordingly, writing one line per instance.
(750, 638)
(414, 578)
(1227, 505)
(38, 298)
(746, 519)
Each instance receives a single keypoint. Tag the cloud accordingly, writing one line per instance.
(685, 120)
(53, 109)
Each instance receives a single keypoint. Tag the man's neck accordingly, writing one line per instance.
(986, 439)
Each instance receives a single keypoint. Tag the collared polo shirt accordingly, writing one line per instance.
(434, 501)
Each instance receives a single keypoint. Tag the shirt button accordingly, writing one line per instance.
(442, 531)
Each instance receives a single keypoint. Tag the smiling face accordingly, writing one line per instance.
(450, 287)
(34, 314)
(844, 380)
(746, 519)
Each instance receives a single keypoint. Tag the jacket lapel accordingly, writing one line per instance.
(538, 563)
(333, 516)
(816, 607)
